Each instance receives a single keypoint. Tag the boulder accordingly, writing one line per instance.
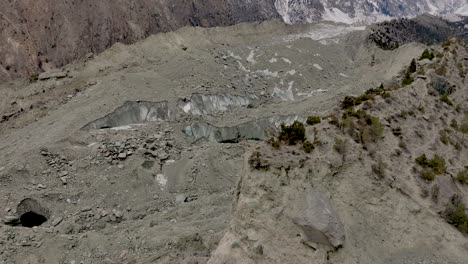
(317, 219)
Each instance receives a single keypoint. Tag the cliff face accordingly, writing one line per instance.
(43, 34)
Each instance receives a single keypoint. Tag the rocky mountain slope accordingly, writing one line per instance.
(46, 34)
(364, 11)
(160, 152)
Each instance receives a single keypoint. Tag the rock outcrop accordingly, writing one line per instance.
(318, 220)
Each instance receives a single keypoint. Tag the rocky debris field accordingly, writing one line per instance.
(171, 150)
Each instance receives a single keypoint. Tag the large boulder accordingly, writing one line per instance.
(319, 222)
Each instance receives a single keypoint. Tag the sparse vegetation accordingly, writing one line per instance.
(292, 134)
(404, 114)
(428, 175)
(257, 161)
(462, 176)
(313, 120)
(445, 99)
(446, 44)
(364, 127)
(275, 143)
(459, 219)
(350, 101)
(308, 146)
(408, 78)
(427, 55)
(340, 145)
(432, 167)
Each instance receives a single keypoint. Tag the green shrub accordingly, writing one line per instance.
(427, 55)
(427, 174)
(313, 120)
(275, 143)
(437, 163)
(257, 161)
(445, 99)
(308, 146)
(404, 114)
(446, 43)
(407, 80)
(422, 160)
(293, 133)
(412, 68)
(462, 176)
(459, 219)
(348, 102)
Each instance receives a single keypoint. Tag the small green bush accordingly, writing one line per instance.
(313, 120)
(308, 146)
(427, 55)
(404, 114)
(437, 163)
(407, 80)
(422, 160)
(427, 174)
(445, 99)
(275, 143)
(446, 43)
(293, 133)
(413, 67)
(459, 219)
(462, 176)
(348, 102)
(257, 161)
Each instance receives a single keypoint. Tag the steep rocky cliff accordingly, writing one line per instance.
(43, 34)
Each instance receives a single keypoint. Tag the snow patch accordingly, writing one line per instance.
(286, 60)
(267, 73)
(162, 180)
(291, 72)
(251, 57)
(318, 67)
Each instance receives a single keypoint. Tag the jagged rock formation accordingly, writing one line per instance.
(425, 29)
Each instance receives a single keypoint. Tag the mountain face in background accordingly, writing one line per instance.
(364, 11)
(44, 34)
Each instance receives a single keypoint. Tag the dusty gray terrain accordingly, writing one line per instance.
(140, 154)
